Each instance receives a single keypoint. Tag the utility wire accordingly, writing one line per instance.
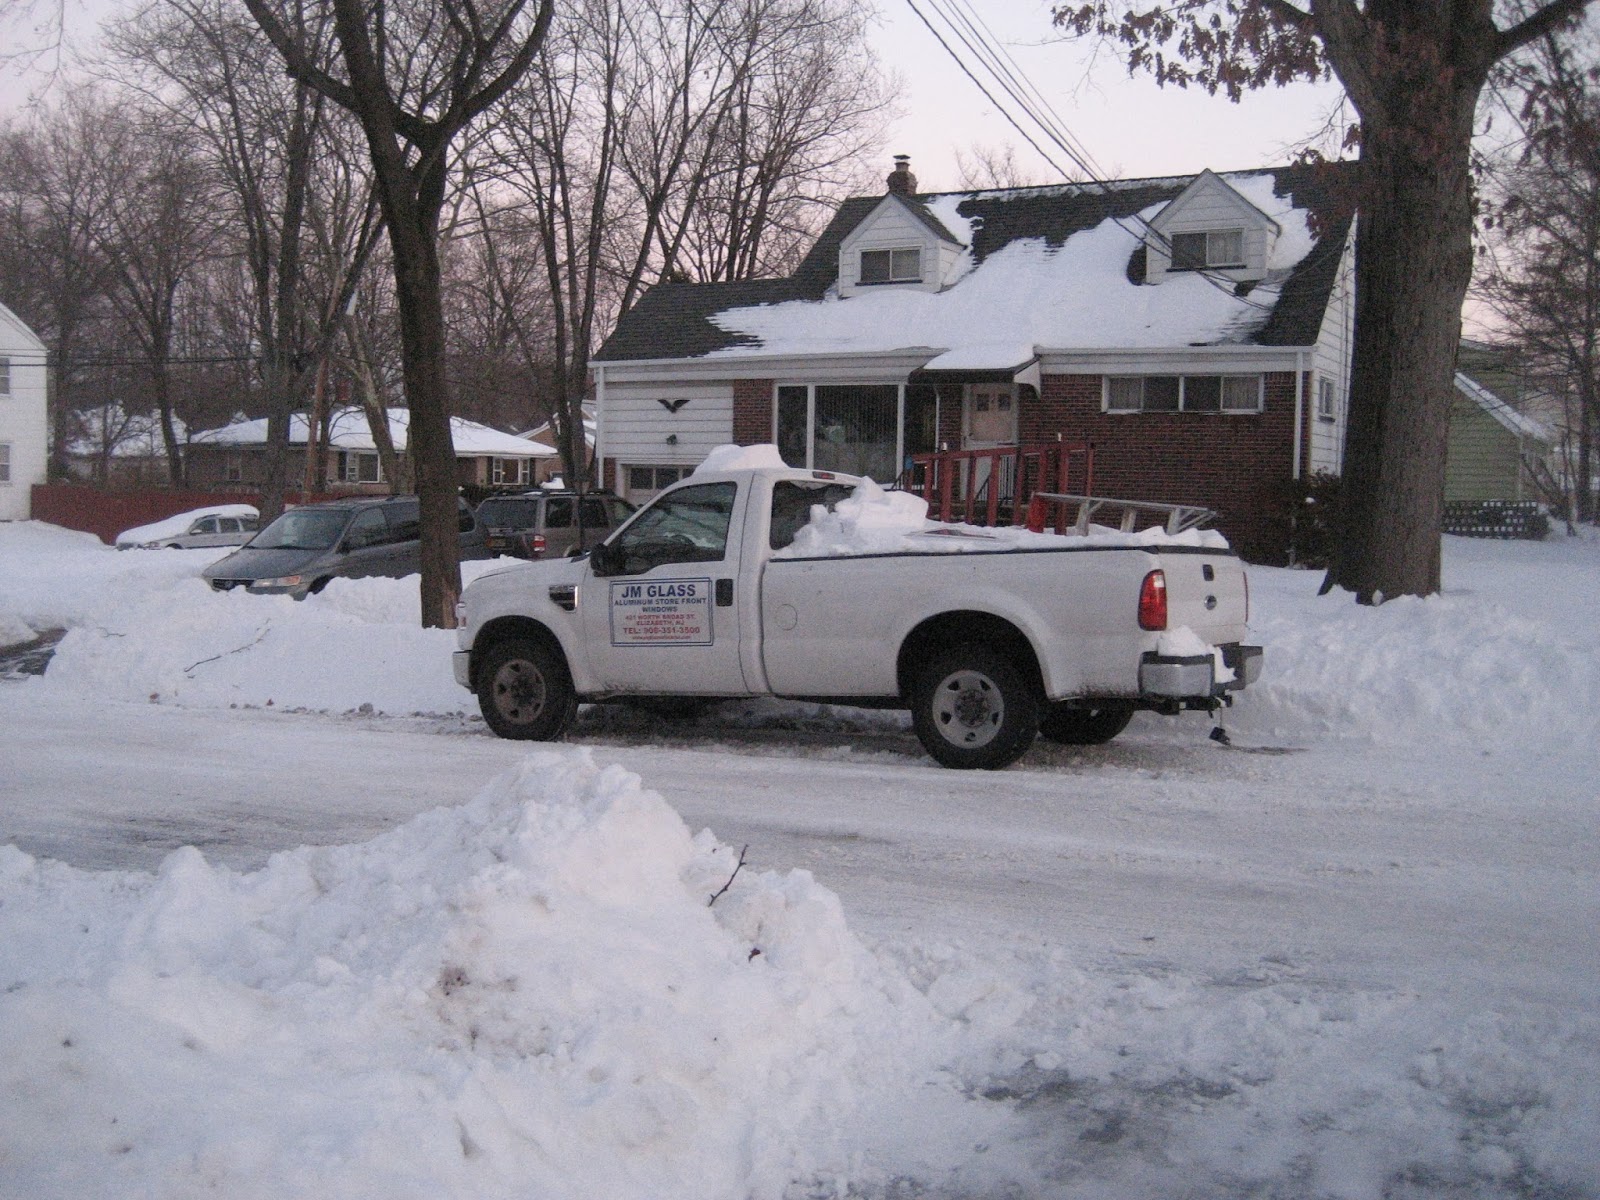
(968, 28)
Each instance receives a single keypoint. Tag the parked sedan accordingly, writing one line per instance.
(220, 525)
(545, 523)
(298, 554)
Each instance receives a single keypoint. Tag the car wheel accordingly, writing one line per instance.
(525, 691)
(973, 709)
(1071, 726)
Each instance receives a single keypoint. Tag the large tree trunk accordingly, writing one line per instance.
(1413, 266)
(432, 449)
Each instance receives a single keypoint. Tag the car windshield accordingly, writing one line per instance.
(302, 529)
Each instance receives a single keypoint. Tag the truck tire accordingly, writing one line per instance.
(1070, 726)
(972, 709)
(525, 691)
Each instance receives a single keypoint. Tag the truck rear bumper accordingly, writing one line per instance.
(1194, 676)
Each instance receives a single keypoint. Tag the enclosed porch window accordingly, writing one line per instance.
(855, 429)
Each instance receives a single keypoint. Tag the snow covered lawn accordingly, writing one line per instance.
(1354, 956)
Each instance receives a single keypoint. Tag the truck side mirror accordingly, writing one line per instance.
(606, 559)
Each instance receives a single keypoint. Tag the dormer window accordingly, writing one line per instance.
(1208, 248)
(892, 266)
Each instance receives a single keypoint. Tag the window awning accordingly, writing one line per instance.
(989, 363)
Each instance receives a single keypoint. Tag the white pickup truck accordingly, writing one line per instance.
(771, 581)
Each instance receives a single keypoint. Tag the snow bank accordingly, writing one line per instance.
(1460, 667)
(527, 995)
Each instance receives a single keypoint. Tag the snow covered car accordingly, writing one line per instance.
(298, 554)
(221, 525)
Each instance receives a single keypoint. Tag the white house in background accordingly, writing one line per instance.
(24, 421)
(235, 455)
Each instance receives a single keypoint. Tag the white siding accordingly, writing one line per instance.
(635, 426)
(24, 426)
(890, 227)
(1210, 204)
(1330, 360)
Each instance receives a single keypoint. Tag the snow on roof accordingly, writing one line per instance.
(1513, 421)
(1077, 295)
(131, 436)
(349, 430)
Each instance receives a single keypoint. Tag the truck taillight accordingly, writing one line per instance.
(1153, 601)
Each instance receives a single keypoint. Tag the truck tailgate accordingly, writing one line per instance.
(1206, 592)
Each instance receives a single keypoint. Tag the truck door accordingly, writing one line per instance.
(659, 609)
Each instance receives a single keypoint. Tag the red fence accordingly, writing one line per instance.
(106, 513)
(988, 487)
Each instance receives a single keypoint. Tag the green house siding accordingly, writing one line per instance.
(1484, 460)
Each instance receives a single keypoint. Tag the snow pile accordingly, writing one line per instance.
(731, 457)
(1457, 667)
(527, 995)
(875, 521)
(179, 523)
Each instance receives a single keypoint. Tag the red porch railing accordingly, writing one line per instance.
(986, 487)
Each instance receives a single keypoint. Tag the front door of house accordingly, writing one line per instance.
(988, 422)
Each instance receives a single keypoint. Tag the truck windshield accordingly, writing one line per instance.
(302, 529)
(686, 525)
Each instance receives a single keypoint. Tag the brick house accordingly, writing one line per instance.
(235, 456)
(1194, 330)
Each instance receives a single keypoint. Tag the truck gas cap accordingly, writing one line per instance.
(785, 617)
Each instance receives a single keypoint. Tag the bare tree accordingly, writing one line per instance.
(300, 214)
(56, 192)
(160, 230)
(1414, 74)
(416, 75)
(1541, 274)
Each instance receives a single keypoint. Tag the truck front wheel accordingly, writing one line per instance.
(525, 691)
(972, 709)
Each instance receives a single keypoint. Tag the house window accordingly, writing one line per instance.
(233, 467)
(510, 470)
(1325, 400)
(644, 481)
(356, 467)
(891, 266)
(5, 377)
(854, 429)
(1183, 393)
(5, 462)
(1208, 248)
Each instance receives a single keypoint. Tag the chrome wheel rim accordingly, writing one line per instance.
(519, 691)
(968, 709)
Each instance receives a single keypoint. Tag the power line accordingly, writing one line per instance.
(968, 28)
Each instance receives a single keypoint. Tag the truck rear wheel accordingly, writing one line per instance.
(1071, 726)
(525, 691)
(973, 709)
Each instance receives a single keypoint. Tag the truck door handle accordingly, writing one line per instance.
(724, 593)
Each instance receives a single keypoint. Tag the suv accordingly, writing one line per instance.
(298, 553)
(545, 523)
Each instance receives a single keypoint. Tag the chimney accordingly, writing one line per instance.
(901, 181)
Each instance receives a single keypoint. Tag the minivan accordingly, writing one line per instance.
(298, 553)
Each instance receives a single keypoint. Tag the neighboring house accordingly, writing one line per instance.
(1491, 447)
(120, 448)
(1194, 330)
(235, 455)
(545, 434)
(24, 420)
